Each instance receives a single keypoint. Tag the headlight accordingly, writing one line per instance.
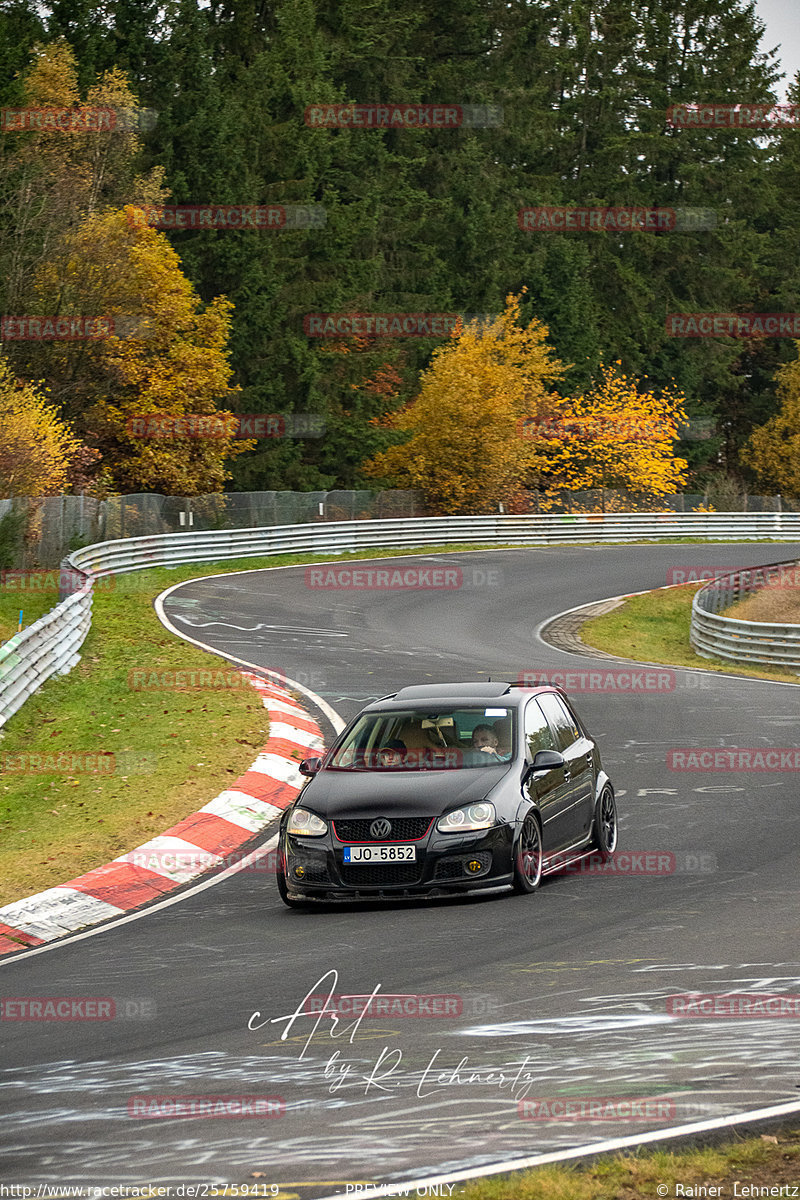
(473, 816)
(303, 823)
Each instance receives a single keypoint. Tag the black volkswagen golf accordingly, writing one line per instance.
(441, 789)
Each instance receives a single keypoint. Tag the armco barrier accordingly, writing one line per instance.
(715, 636)
(51, 645)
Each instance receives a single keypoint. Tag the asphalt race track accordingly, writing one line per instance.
(560, 994)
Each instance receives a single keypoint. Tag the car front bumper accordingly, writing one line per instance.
(445, 864)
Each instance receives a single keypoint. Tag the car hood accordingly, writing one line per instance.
(410, 793)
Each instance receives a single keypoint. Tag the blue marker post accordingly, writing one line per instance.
(19, 627)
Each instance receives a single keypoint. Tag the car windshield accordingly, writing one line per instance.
(419, 740)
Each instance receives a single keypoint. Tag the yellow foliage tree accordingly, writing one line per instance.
(172, 358)
(52, 179)
(36, 446)
(774, 448)
(614, 436)
(465, 449)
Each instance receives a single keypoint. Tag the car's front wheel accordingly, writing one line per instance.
(528, 856)
(604, 830)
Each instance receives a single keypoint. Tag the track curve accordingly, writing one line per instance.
(565, 992)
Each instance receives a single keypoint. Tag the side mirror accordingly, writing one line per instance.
(309, 767)
(545, 760)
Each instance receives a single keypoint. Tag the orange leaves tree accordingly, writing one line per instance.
(614, 436)
(171, 360)
(36, 447)
(463, 445)
(774, 449)
(51, 179)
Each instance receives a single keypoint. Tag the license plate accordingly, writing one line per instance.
(367, 854)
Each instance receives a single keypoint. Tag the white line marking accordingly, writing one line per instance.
(7, 961)
(255, 628)
(334, 718)
(541, 1160)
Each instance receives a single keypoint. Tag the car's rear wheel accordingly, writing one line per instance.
(528, 856)
(604, 830)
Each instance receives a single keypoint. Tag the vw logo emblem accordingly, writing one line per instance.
(380, 828)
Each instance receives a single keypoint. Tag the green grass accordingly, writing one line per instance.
(636, 1177)
(655, 628)
(34, 594)
(173, 751)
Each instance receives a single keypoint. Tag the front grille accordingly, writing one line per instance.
(378, 875)
(404, 829)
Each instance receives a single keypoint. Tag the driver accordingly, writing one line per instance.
(486, 740)
(392, 754)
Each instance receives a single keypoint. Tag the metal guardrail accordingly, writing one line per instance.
(715, 636)
(50, 646)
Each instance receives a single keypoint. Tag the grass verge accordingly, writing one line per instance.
(769, 1161)
(34, 604)
(655, 628)
(777, 603)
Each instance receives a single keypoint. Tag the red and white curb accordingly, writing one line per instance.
(199, 842)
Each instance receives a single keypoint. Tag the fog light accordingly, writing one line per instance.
(299, 872)
(474, 866)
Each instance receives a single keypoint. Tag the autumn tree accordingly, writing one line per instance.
(36, 447)
(614, 435)
(774, 449)
(465, 450)
(168, 356)
(51, 179)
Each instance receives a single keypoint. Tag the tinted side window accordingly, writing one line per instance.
(537, 731)
(562, 722)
